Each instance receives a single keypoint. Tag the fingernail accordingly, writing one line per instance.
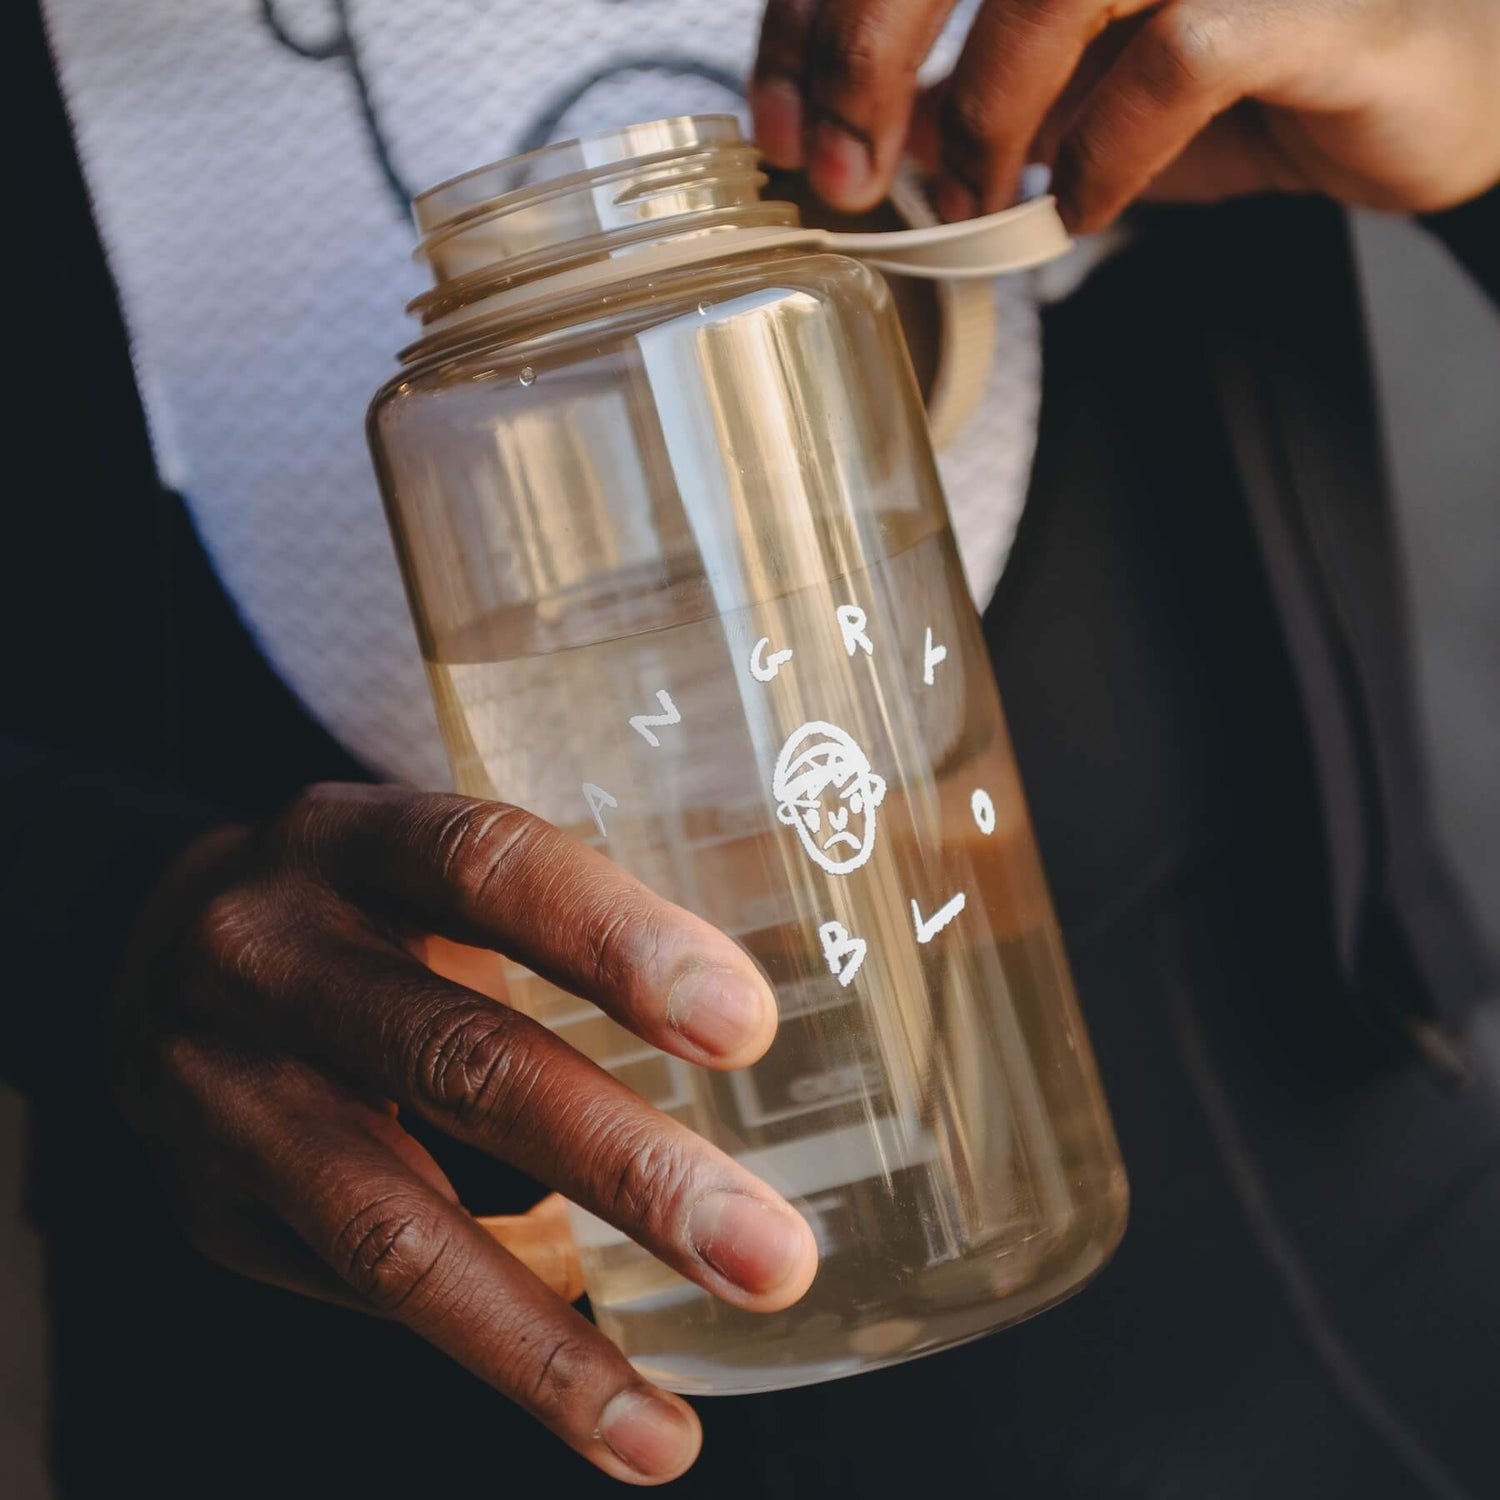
(649, 1434)
(717, 1010)
(952, 200)
(776, 106)
(755, 1246)
(839, 163)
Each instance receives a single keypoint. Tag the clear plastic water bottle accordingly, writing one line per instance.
(665, 501)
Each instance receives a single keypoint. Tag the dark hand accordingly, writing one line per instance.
(271, 1020)
(1390, 103)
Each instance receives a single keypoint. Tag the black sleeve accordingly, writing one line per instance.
(1472, 233)
(80, 846)
(135, 709)
(82, 643)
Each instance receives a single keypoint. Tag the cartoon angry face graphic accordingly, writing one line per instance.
(825, 789)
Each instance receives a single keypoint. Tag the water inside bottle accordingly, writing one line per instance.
(827, 777)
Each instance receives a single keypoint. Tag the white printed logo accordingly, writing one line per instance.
(844, 954)
(598, 799)
(929, 927)
(982, 805)
(852, 621)
(764, 668)
(644, 724)
(825, 789)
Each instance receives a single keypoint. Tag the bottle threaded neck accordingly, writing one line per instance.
(593, 199)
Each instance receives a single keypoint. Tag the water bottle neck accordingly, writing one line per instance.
(587, 203)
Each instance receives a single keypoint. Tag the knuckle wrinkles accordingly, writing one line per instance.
(649, 1178)
(470, 1066)
(231, 936)
(300, 823)
(564, 1368)
(627, 941)
(478, 846)
(255, 941)
(391, 1254)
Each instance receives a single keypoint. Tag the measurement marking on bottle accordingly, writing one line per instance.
(644, 724)
(929, 927)
(598, 799)
(764, 668)
(932, 658)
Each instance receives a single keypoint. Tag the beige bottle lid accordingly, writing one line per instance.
(1015, 239)
(962, 338)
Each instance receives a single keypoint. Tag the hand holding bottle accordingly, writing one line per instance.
(271, 1020)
